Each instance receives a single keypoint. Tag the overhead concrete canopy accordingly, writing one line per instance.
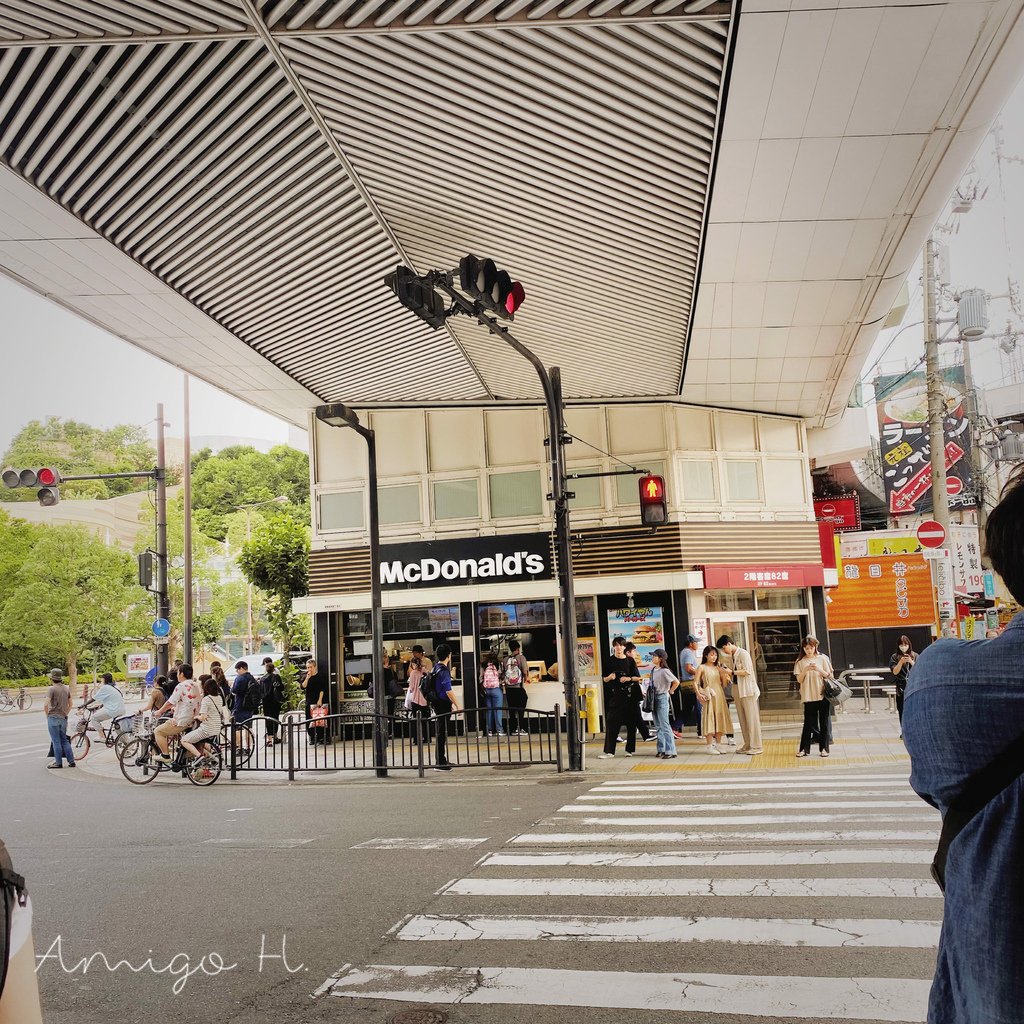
(699, 201)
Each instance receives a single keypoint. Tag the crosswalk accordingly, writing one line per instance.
(779, 899)
(24, 740)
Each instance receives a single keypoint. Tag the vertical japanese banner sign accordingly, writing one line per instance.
(902, 403)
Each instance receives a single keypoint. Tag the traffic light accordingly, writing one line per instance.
(494, 288)
(147, 567)
(653, 506)
(417, 295)
(46, 479)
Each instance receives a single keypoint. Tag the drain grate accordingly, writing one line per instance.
(418, 1017)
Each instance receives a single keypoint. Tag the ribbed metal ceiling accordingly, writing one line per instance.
(272, 166)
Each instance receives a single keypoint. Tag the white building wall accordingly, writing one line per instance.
(482, 470)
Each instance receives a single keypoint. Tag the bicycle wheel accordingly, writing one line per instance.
(80, 744)
(24, 701)
(205, 770)
(246, 744)
(6, 704)
(136, 762)
(121, 742)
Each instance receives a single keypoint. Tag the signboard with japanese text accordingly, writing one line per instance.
(762, 577)
(883, 591)
(842, 513)
(138, 663)
(902, 402)
(644, 626)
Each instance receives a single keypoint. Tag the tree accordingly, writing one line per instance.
(77, 448)
(276, 561)
(75, 596)
(17, 538)
(242, 475)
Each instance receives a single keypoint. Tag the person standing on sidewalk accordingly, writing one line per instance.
(56, 707)
(272, 689)
(811, 671)
(745, 693)
(490, 683)
(709, 684)
(900, 665)
(617, 712)
(689, 662)
(514, 678)
(637, 694)
(439, 693)
(665, 683)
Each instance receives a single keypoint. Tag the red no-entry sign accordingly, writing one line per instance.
(931, 534)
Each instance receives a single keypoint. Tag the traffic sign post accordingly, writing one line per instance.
(161, 628)
(931, 534)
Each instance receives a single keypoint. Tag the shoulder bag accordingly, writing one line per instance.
(981, 789)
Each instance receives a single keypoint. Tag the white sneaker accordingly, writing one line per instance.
(628, 753)
(714, 749)
(603, 756)
(732, 741)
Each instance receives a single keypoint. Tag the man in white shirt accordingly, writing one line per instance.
(745, 693)
(185, 702)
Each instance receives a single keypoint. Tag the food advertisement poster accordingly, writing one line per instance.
(138, 663)
(586, 657)
(906, 449)
(644, 626)
(882, 591)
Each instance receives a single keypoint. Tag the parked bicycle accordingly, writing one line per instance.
(22, 702)
(118, 733)
(140, 765)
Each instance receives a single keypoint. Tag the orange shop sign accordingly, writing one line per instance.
(882, 591)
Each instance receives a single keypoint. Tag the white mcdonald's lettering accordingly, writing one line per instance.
(428, 569)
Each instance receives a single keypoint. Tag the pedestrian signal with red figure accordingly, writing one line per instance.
(653, 504)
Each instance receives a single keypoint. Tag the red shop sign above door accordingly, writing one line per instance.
(841, 513)
(762, 577)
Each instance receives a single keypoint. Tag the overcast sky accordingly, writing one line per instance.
(56, 364)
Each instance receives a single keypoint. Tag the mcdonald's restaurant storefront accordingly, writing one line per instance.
(477, 594)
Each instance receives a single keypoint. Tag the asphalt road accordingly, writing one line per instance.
(170, 870)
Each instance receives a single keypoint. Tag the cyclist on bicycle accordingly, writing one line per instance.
(158, 696)
(212, 717)
(184, 702)
(109, 699)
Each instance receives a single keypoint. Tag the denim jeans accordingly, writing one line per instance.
(493, 703)
(662, 708)
(58, 730)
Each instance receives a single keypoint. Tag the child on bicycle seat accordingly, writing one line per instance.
(212, 717)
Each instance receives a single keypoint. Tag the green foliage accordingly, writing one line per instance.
(241, 475)
(276, 560)
(294, 695)
(74, 596)
(77, 449)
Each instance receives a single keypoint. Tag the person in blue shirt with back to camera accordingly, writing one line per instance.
(963, 724)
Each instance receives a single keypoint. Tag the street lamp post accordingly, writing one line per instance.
(338, 415)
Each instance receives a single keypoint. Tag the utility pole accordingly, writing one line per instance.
(163, 600)
(942, 570)
(187, 481)
(977, 464)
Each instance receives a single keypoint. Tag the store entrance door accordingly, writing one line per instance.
(776, 646)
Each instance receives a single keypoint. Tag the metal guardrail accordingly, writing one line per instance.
(869, 679)
(344, 742)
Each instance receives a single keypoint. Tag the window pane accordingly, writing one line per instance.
(743, 482)
(729, 600)
(770, 600)
(341, 511)
(400, 505)
(515, 494)
(585, 613)
(456, 499)
(698, 480)
(588, 492)
(627, 487)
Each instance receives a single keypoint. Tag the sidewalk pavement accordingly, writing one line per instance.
(859, 739)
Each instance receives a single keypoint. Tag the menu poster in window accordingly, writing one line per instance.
(586, 661)
(535, 613)
(444, 620)
(499, 617)
(644, 626)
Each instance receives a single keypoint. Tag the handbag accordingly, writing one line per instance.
(648, 705)
(835, 692)
(318, 713)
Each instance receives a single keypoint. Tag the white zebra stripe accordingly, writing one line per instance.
(585, 808)
(646, 838)
(710, 859)
(726, 787)
(839, 933)
(923, 816)
(902, 1000)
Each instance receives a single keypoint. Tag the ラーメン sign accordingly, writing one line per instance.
(469, 560)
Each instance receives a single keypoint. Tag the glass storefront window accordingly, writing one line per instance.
(517, 615)
(341, 511)
(781, 600)
(586, 614)
(729, 600)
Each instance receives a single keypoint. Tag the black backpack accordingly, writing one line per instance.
(253, 696)
(12, 891)
(428, 686)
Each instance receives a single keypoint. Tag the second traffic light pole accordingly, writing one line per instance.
(551, 382)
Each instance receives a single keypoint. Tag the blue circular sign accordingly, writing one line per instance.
(161, 627)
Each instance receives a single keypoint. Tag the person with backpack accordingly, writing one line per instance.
(514, 679)
(436, 687)
(272, 697)
(490, 682)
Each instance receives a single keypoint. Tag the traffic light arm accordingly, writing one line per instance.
(152, 474)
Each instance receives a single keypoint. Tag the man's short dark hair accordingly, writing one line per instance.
(241, 664)
(417, 648)
(1004, 535)
(442, 651)
(514, 645)
(107, 678)
(619, 640)
(185, 670)
(724, 640)
(268, 661)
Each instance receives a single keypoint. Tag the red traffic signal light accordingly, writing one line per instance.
(653, 504)
(46, 479)
(495, 289)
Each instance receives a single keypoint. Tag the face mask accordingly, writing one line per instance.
(904, 648)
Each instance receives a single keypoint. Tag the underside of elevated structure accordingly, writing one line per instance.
(701, 199)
